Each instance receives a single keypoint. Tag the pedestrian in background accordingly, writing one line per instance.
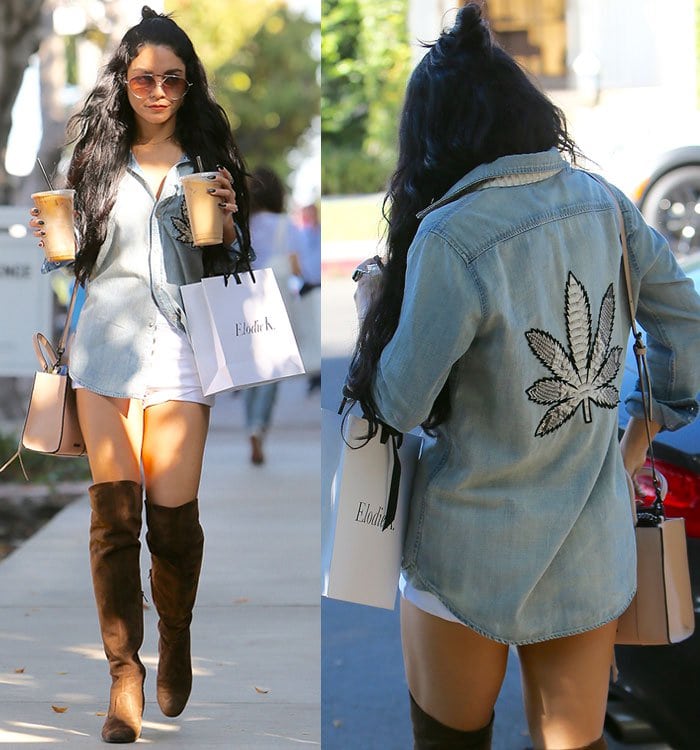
(276, 243)
(140, 404)
(500, 312)
(307, 311)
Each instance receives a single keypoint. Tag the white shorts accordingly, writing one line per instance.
(172, 375)
(424, 600)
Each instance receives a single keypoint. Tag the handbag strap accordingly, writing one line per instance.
(640, 355)
(50, 358)
(45, 353)
(69, 315)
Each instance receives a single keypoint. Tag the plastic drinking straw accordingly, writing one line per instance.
(199, 163)
(43, 171)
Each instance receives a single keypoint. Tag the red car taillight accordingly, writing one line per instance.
(683, 498)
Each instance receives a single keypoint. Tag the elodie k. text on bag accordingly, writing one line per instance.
(361, 553)
(240, 331)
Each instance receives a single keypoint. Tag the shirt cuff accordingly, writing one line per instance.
(49, 265)
(671, 415)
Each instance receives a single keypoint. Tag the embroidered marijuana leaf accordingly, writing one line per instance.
(182, 224)
(586, 372)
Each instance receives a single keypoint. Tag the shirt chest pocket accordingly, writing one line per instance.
(175, 223)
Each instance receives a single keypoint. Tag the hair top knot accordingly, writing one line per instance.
(147, 14)
(470, 30)
(468, 40)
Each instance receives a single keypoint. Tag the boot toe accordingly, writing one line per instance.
(123, 722)
(171, 704)
(117, 731)
(174, 681)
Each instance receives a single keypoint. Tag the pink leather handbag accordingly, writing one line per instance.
(51, 425)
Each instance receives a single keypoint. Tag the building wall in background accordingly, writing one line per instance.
(626, 72)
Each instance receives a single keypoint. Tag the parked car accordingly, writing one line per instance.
(663, 682)
(669, 199)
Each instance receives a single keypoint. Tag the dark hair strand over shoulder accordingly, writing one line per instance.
(467, 103)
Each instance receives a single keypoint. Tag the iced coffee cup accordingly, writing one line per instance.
(56, 211)
(206, 218)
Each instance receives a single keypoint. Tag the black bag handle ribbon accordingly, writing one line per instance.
(386, 434)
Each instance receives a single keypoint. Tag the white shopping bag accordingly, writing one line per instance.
(361, 562)
(305, 312)
(241, 334)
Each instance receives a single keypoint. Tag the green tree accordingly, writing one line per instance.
(260, 62)
(365, 59)
(20, 35)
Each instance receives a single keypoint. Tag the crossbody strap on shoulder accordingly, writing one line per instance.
(640, 350)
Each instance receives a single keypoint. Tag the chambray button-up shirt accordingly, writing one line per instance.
(520, 519)
(147, 255)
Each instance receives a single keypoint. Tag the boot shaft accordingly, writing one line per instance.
(115, 526)
(176, 541)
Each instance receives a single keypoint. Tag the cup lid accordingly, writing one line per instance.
(66, 191)
(198, 175)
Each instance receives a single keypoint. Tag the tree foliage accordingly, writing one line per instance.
(365, 58)
(260, 62)
(20, 34)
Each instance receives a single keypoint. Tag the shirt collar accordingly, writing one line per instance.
(184, 166)
(514, 169)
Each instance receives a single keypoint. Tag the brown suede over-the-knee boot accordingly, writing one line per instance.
(115, 525)
(176, 542)
(431, 734)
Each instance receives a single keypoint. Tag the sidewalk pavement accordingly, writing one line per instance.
(256, 628)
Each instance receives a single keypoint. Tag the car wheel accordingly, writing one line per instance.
(672, 206)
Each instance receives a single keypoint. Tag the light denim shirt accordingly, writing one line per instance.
(146, 256)
(520, 520)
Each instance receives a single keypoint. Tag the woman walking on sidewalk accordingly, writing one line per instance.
(140, 405)
(276, 243)
(501, 310)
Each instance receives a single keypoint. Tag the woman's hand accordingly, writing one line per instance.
(634, 444)
(223, 191)
(37, 224)
(368, 277)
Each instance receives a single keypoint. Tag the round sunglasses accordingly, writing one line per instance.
(142, 86)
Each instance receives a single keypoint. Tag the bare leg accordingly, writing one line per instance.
(175, 433)
(112, 429)
(565, 687)
(454, 674)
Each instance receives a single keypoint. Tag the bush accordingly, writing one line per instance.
(346, 171)
(41, 469)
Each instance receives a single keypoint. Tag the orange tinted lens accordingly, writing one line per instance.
(174, 86)
(142, 85)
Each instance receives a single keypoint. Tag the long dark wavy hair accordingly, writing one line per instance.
(105, 129)
(467, 103)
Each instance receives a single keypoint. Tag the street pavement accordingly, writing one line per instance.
(364, 692)
(256, 628)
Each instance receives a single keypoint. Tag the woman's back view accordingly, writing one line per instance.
(500, 325)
